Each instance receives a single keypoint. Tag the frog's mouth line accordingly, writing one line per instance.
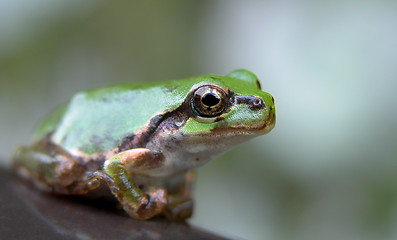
(258, 129)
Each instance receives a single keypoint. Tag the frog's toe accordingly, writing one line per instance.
(151, 205)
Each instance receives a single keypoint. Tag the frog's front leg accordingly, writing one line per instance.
(116, 174)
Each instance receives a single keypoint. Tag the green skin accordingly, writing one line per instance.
(143, 140)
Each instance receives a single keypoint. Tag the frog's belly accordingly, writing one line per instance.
(171, 183)
(177, 163)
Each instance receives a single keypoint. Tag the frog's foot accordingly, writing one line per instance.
(179, 211)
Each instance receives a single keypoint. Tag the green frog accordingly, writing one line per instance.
(142, 141)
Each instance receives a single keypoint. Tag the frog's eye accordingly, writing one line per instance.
(209, 101)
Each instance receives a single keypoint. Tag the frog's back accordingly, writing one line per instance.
(97, 120)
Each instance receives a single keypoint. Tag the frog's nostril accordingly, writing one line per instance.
(257, 104)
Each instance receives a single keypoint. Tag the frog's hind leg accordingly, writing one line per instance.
(56, 172)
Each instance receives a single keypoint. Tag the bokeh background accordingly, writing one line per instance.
(329, 168)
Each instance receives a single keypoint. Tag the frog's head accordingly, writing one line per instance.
(225, 110)
(214, 113)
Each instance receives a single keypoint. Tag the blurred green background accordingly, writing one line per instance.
(329, 168)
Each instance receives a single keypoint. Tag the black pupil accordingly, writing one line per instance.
(210, 99)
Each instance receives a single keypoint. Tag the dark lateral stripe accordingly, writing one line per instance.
(255, 103)
(140, 139)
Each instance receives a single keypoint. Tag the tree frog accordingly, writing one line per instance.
(142, 141)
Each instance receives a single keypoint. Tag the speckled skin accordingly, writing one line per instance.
(143, 140)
